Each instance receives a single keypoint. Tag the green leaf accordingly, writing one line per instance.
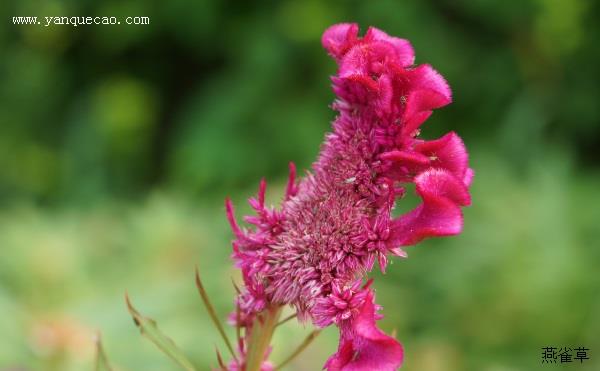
(213, 314)
(149, 329)
(300, 348)
(102, 363)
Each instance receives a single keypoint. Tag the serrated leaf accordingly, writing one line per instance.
(149, 329)
(102, 363)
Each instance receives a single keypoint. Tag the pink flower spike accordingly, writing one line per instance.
(292, 187)
(231, 218)
(342, 303)
(397, 251)
(262, 189)
(364, 347)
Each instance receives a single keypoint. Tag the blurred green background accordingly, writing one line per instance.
(118, 145)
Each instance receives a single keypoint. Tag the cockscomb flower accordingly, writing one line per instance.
(314, 252)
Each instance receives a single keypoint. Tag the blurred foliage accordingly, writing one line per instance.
(119, 143)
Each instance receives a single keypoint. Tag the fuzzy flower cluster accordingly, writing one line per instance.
(314, 252)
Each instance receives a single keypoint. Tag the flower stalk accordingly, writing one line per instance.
(260, 338)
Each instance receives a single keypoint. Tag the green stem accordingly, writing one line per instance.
(262, 331)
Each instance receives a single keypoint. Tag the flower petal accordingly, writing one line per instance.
(404, 51)
(338, 38)
(438, 215)
(447, 152)
(364, 347)
(428, 91)
(426, 78)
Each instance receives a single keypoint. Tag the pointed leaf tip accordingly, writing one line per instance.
(149, 329)
(220, 359)
(236, 287)
(102, 363)
(212, 313)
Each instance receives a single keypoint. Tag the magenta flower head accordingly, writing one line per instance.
(315, 252)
